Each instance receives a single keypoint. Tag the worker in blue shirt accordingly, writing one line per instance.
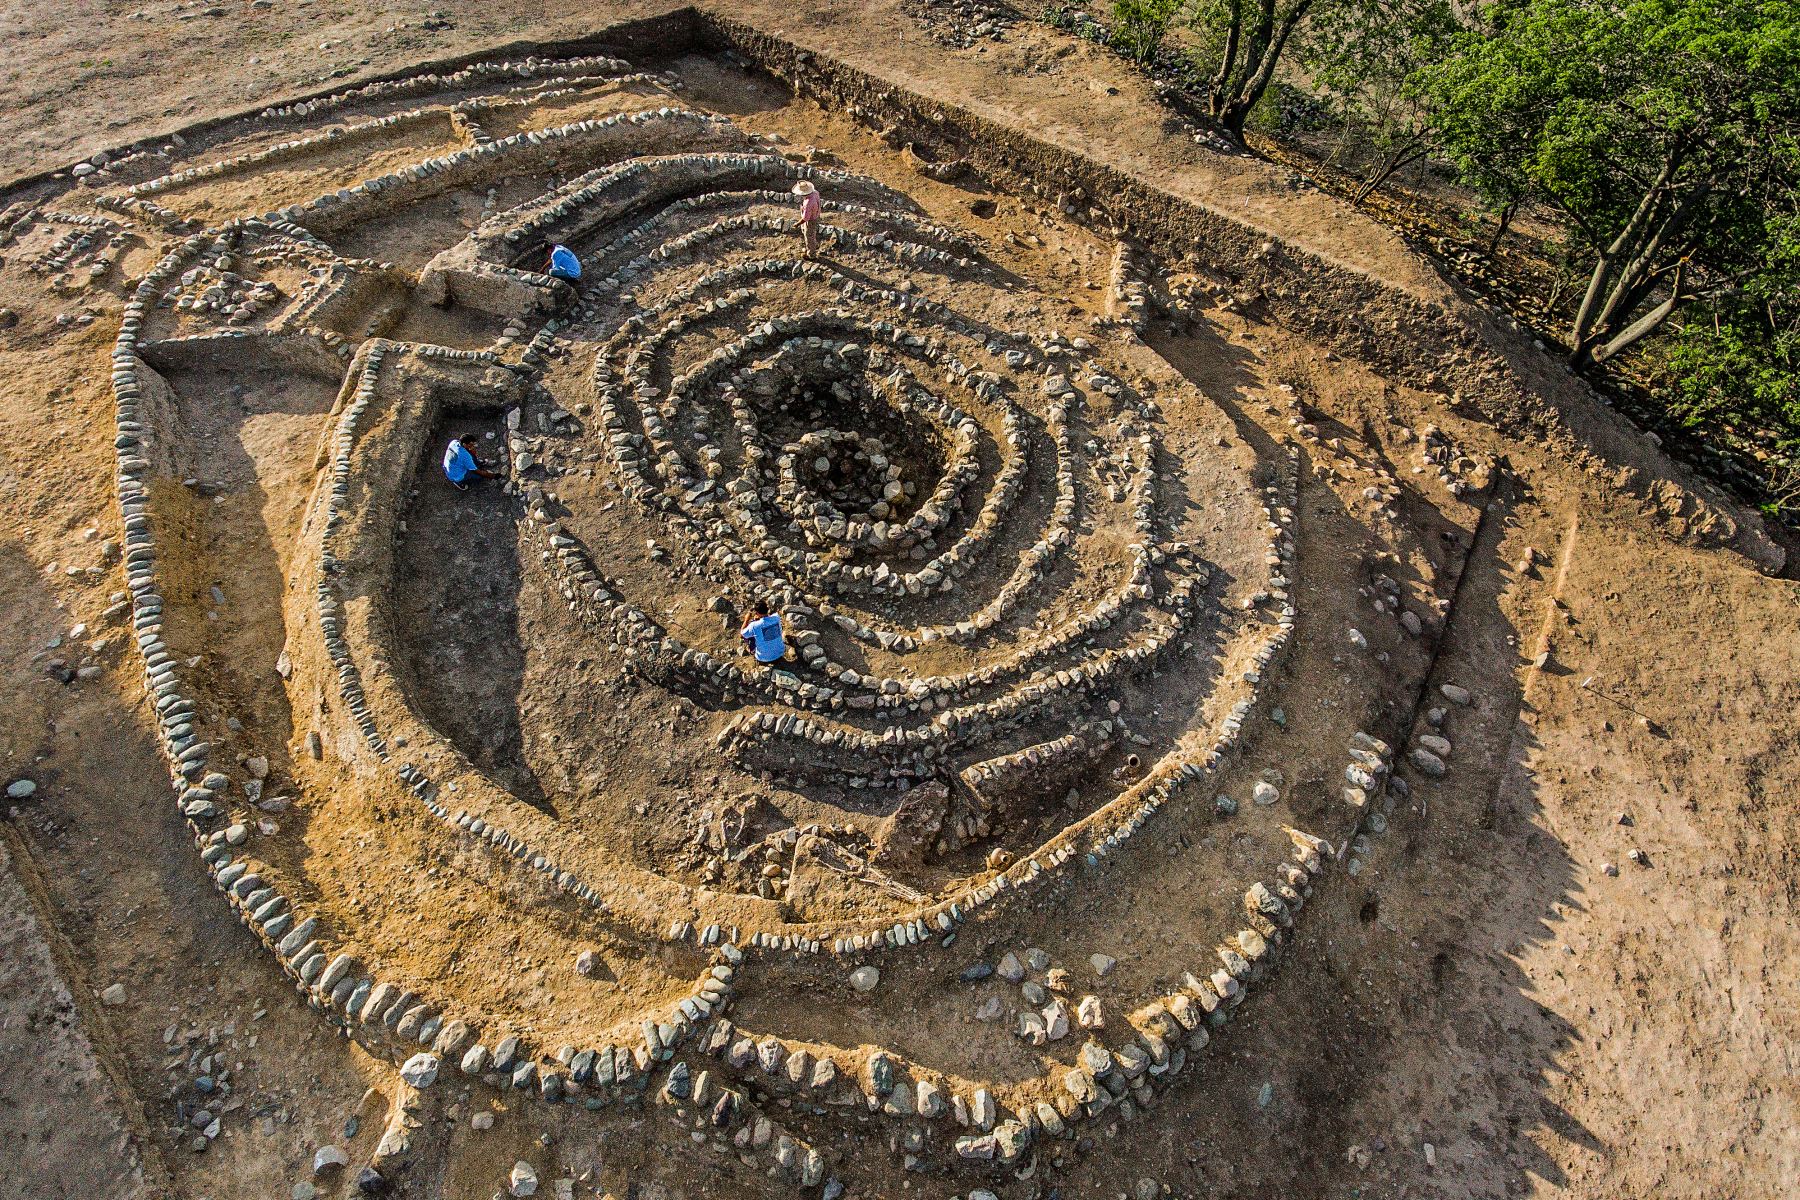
(564, 265)
(460, 463)
(762, 635)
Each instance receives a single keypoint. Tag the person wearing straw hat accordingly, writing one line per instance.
(812, 207)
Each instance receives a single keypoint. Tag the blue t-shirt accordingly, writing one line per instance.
(765, 638)
(564, 263)
(458, 462)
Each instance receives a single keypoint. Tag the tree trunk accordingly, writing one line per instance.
(1638, 277)
(1221, 82)
(1646, 323)
(1265, 54)
(1505, 222)
(1583, 334)
(1409, 152)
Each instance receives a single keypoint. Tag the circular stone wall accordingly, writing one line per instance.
(1023, 776)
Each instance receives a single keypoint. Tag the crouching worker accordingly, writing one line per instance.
(564, 265)
(460, 463)
(762, 635)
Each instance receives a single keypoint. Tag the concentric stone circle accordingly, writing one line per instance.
(972, 525)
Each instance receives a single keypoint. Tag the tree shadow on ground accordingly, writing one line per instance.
(1403, 1016)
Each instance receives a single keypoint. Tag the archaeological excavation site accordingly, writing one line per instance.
(1249, 721)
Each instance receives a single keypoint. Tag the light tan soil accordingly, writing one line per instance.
(1483, 986)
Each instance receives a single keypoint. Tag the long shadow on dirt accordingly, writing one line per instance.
(1401, 1018)
(456, 604)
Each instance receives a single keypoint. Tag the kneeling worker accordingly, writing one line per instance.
(460, 463)
(762, 635)
(563, 265)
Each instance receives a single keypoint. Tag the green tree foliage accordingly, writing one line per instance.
(1663, 130)
(1732, 362)
(1139, 26)
(1362, 56)
(1665, 135)
(1245, 40)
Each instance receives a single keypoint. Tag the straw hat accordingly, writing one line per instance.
(804, 188)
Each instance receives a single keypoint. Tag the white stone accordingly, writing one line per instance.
(1088, 1013)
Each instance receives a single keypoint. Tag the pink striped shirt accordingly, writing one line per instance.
(811, 207)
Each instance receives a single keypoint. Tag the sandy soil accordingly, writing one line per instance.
(1546, 1027)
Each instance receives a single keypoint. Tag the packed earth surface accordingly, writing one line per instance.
(1253, 722)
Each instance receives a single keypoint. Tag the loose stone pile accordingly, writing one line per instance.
(963, 23)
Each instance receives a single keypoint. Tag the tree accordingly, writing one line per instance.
(1247, 37)
(1363, 57)
(1734, 362)
(1139, 26)
(1663, 130)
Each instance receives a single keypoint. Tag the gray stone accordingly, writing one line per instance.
(1428, 762)
(878, 1075)
(1011, 1139)
(421, 1070)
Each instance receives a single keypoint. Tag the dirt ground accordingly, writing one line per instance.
(1489, 1012)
